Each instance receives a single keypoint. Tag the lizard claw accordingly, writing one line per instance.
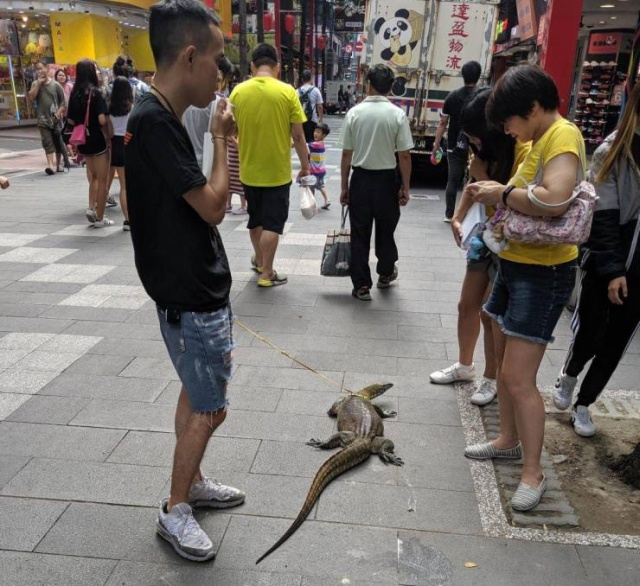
(314, 442)
(391, 459)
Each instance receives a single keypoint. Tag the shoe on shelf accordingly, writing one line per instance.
(111, 201)
(274, 281)
(91, 215)
(582, 423)
(183, 532)
(485, 392)
(527, 497)
(103, 223)
(126, 227)
(563, 390)
(488, 451)
(385, 281)
(453, 373)
(211, 493)
(364, 293)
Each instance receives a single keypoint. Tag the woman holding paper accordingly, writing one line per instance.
(496, 157)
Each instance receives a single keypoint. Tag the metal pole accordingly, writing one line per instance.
(303, 36)
(243, 64)
(260, 14)
(324, 49)
(278, 27)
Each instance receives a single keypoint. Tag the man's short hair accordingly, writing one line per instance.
(264, 54)
(306, 75)
(381, 78)
(176, 24)
(471, 72)
(517, 91)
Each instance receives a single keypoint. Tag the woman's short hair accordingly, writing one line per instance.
(517, 91)
(381, 78)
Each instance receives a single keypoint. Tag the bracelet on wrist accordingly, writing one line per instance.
(218, 137)
(506, 192)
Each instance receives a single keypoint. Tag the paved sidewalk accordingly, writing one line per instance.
(87, 397)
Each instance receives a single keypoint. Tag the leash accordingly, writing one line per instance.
(285, 353)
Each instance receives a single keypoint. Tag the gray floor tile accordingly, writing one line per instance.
(89, 481)
(120, 331)
(10, 466)
(349, 551)
(285, 378)
(26, 521)
(140, 574)
(307, 402)
(428, 411)
(156, 449)
(104, 387)
(126, 415)
(125, 533)
(275, 426)
(57, 441)
(49, 409)
(610, 565)
(33, 324)
(252, 398)
(29, 569)
(9, 402)
(149, 368)
(436, 559)
(100, 364)
(404, 506)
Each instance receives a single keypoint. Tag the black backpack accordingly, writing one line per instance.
(305, 100)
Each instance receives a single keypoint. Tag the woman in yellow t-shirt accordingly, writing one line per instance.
(533, 282)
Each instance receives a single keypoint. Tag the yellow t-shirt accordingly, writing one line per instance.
(265, 108)
(562, 137)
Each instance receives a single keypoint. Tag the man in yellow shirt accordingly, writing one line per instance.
(268, 114)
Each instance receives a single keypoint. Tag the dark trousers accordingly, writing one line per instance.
(309, 126)
(457, 164)
(602, 331)
(373, 197)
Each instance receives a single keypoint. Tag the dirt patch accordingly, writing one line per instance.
(602, 502)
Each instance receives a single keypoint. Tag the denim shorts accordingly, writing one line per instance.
(527, 300)
(200, 346)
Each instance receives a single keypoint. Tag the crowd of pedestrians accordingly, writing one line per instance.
(183, 146)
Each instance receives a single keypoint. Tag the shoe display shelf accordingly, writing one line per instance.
(595, 114)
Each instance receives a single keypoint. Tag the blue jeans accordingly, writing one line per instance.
(200, 346)
(527, 300)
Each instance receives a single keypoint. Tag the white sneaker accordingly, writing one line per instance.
(211, 493)
(563, 391)
(182, 531)
(582, 423)
(103, 223)
(453, 373)
(91, 215)
(485, 392)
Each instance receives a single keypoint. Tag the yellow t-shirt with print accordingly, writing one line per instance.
(562, 137)
(265, 108)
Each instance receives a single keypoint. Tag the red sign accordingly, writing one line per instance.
(359, 47)
(348, 49)
(604, 43)
(526, 19)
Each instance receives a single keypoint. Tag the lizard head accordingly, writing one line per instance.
(373, 391)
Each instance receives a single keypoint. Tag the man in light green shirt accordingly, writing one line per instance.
(374, 131)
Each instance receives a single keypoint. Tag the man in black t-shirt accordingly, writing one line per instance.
(179, 254)
(457, 148)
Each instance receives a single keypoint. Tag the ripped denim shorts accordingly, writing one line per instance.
(200, 346)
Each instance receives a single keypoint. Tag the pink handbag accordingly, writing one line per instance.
(572, 227)
(81, 131)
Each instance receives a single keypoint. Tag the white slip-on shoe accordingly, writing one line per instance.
(453, 373)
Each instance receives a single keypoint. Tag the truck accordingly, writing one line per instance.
(426, 43)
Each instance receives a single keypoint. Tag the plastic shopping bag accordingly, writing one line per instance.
(308, 205)
(336, 256)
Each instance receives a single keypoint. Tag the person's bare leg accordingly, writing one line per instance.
(123, 193)
(268, 246)
(112, 174)
(58, 159)
(183, 413)
(101, 167)
(256, 234)
(51, 160)
(93, 183)
(520, 368)
(469, 308)
(190, 447)
(508, 437)
(490, 366)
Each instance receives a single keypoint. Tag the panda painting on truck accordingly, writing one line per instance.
(398, 36)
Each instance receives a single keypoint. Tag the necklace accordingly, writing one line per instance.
(155, 89)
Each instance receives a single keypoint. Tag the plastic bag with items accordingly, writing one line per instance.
(308, 205)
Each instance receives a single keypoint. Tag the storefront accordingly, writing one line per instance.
(590, 47)
(61, 34)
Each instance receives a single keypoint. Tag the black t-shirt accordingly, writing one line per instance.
(95, 140)
(453, 105)
(180, 258)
